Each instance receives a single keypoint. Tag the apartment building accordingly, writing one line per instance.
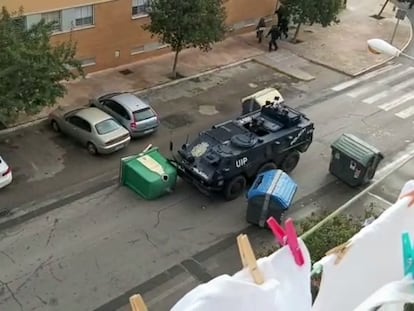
(109, 32)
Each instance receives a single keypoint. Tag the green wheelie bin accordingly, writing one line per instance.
(149, 174)
(353, 160)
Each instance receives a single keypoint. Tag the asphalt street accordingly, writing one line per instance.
(95, 249)
(162, 292)
(47, 165)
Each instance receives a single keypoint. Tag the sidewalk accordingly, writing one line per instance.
(340, 47)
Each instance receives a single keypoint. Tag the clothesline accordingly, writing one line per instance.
(374, 268)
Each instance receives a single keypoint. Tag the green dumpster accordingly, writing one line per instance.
(149, 174)
(353, 160)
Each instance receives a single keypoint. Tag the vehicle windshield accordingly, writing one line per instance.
(143, 114)
(107, 126)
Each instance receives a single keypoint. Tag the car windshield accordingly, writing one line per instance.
(106, 126)
(143, 114)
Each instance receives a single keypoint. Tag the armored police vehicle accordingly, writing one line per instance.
(225, 157)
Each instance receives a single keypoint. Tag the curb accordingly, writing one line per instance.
(203, 73)
(404, 47)
(254, 60)
(386, 171)
(148, 89)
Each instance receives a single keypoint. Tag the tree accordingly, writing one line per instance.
(187, 23)
(324, 12)
(31, 68)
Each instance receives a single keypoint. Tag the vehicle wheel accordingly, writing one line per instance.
(266, 167)
(290, 161)
(235, 188)
(55, 126)
(370, 173)
(92, 149)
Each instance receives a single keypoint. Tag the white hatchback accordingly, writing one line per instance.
(5, 174)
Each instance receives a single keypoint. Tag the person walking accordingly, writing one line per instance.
(274, 34)
(282, 13)
(260, 28)
(283, 26)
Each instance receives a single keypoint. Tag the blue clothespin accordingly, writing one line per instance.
(408, 254)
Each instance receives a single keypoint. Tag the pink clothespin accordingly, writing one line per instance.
(288, 237)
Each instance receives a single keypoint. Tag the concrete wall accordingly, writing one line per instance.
(117, 38)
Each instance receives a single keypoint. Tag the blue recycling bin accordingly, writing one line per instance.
(271, 194)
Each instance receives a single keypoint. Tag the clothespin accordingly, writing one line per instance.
(288, 237)
(340, 251)
(408, 254)
(248, 258)
(137, 303)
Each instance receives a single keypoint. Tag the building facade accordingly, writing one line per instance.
(109, 33)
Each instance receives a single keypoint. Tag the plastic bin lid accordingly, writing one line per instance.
(356, 148)
(276, 183)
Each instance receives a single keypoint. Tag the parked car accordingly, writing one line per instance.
(5, 174)
(133, 113)
(93, 128)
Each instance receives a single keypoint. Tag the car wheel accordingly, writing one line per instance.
(266, 167)
(235, 188)
(92, 149)
(290, 161)
(55, 126)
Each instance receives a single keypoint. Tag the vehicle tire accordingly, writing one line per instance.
(55, 126)
(235, 187)
(266, 167)
(92, 149)
(370, 173)
(290, 161)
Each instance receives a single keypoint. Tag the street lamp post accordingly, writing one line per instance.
(379, 46)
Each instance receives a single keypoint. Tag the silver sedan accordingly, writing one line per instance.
(92, 127)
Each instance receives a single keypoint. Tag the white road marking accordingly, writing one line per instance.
(347, 84)
(397, 102)
(396, 75)
(406, 113)
(376, 97)
(403, 85)
(365, 89)
(361, 90)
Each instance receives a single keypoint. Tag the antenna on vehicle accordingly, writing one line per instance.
(173, 160)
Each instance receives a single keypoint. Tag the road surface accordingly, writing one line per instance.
(47, 165)
(98, 247)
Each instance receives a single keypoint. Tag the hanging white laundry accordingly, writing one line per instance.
(373, 259)
(390, 297)
(286, 287)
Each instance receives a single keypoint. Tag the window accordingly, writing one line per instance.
(54, 17)
(117, 108)
(107, 126)
(84, 16)
(137, 50)
(140, 7)
(143, 114)
(88, 62)
(80, 123)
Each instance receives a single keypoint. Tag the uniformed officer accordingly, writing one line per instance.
(274, 34)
